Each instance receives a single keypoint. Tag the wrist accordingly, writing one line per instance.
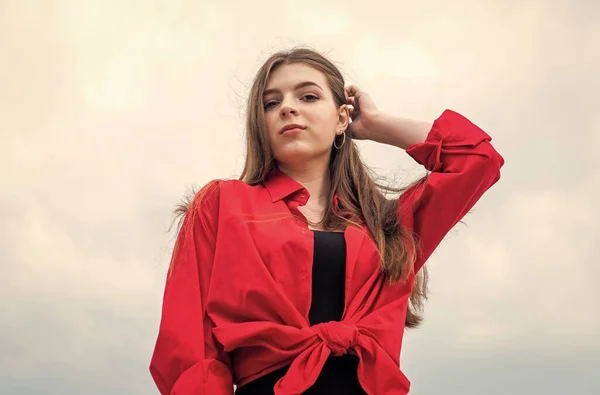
(380, 127)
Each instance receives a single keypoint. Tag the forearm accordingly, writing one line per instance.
(400, 132)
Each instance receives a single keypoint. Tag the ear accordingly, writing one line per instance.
(343, 119)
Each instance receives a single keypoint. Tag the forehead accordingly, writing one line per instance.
(288, 75)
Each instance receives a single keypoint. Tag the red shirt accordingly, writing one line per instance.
(237, 300)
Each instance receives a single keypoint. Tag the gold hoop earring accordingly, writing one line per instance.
(343, 141)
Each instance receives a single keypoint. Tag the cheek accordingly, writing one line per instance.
(271, 125)
(327, 121)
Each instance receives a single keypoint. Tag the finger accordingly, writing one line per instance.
(353, 90)
(354, 112)
(349, 108)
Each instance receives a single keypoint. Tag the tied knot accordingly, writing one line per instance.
(338, 336)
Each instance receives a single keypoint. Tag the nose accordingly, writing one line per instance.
(287, 108)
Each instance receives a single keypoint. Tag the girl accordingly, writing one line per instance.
(300, 277)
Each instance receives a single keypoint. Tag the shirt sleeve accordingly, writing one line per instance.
(463, 165)
(187, 358)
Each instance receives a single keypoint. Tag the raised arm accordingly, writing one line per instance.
(187, 359)
(463, 166)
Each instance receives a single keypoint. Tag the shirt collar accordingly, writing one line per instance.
(280, 186)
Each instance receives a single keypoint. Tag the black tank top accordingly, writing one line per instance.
(339, 375)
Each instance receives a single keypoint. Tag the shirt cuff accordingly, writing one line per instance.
(205, 377)
(450, 130)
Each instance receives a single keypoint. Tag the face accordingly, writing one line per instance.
(301, 115)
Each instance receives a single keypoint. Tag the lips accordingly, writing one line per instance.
(290, 127)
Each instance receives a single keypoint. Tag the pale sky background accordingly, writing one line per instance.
(111, 110)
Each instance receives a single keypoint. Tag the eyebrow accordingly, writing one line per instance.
(298, 86)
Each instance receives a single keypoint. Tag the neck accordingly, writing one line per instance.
(314, 176)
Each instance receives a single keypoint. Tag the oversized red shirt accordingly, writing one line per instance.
(236, 302)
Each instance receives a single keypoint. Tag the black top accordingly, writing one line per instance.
(339, 375)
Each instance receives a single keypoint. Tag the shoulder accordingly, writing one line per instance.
(217, 191)
(235, 187)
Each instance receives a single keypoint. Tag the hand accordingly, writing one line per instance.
(364, 114)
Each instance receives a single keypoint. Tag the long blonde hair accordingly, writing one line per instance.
(361, 199)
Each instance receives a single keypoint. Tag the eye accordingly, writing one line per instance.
(270, 104)
(310, 97)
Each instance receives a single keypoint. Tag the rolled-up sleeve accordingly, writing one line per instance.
(463, 166)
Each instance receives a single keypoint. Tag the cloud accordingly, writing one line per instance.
(109, 111)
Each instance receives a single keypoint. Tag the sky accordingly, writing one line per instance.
(110, 111)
